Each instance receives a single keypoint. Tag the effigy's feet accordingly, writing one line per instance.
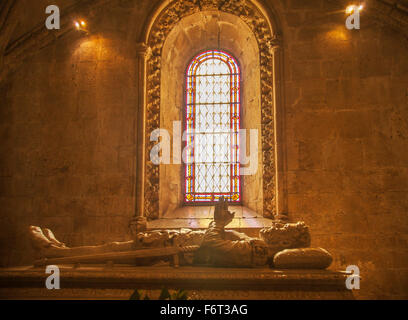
(50, 236)
(37, 237)
(44, 242)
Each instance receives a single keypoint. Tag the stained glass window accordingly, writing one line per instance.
(212, 118)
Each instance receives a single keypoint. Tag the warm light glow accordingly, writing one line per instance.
(350, 9)
(80, 25)
(337, 34)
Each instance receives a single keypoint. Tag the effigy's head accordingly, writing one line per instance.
(221, 213)
(286, 235)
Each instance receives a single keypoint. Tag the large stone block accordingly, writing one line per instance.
(299, 4)
(305, 70)
(354, 124)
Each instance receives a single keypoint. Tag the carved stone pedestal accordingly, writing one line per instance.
(119, 282)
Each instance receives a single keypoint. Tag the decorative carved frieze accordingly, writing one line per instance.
(258, 23)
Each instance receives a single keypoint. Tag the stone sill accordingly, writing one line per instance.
(199, 217)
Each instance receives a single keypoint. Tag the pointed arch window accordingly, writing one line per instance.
(212, 118)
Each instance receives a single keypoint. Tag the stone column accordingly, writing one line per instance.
(280, 137)
(143, 52)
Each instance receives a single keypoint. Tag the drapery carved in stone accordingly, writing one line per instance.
(251, 15)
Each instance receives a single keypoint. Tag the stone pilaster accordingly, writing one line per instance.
(276, 50)
(142, 54)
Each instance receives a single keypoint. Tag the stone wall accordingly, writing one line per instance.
(347, 138)
(67, 136)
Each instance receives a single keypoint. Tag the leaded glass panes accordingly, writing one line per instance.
(212, 126)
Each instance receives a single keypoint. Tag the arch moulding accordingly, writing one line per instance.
(265, 27)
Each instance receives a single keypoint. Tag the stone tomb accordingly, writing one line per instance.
(119, 282)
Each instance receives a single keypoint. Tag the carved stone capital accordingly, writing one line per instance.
(275, 44)
(143, 50)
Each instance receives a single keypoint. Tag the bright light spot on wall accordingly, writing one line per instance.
(337, 34)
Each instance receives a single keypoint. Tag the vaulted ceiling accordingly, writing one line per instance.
(22, 31)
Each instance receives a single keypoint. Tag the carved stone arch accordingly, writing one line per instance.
(167, 15)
